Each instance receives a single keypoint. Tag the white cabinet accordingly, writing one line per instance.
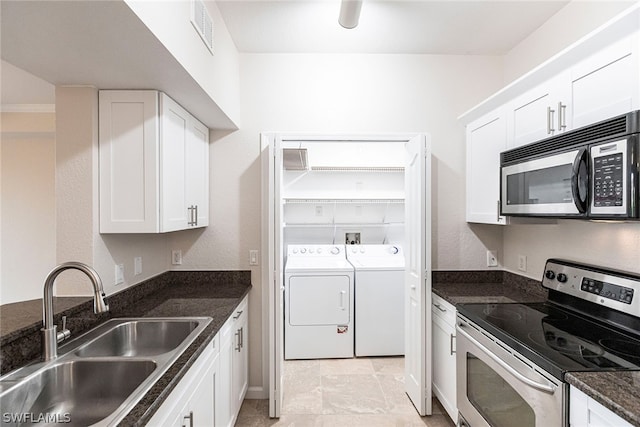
(232, 384)
(444, 357)
(486, 139)
(603, 85)
(193, 401)
(154, 164)
(586, 412)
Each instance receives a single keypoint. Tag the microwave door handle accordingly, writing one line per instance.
(581, 163)
(542, 387)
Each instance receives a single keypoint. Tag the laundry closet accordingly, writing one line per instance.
(343, 230)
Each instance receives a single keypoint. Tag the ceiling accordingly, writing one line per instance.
(479, 27)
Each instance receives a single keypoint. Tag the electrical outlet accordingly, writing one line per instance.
(522, 262)
(253, 257)
(492, 258)
(137, 266)
(176, 257)
(119, 274)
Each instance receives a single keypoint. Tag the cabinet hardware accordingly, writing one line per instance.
(191, 210)
(550, 113)
(238, 314)
(498, 210)
(439, 307)
(562, 116)
(451, 339)
(195, 216)
(190, 418)
(239, 339)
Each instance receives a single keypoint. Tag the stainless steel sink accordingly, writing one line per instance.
(81, 392)
(138, 338)
(100, 376)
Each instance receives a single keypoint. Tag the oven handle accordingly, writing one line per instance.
(542, 387)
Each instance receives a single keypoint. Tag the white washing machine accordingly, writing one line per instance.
(379, 299)
(318, 294)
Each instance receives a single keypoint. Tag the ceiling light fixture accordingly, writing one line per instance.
(350, 13)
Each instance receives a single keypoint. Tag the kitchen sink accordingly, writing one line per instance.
(98, 377)
(137, 338)
(77, 392)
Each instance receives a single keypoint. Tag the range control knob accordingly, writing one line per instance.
(393, 250)
(549, 274)
(562, 278)
(335, 250)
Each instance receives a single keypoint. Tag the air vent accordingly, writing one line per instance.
(202, 22)
(617, 126)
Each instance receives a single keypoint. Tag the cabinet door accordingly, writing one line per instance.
(224, 413)
(129, 153)
(240, 362)
(486, 138)
(174, 136)
(586, 412)
(533, 115)
(197, 174)
(444, 357)
(606, 84)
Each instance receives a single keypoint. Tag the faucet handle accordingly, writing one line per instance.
(64, 332)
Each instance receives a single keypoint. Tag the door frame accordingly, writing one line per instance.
(273, 252)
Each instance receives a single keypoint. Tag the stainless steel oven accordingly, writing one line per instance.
(511, 358)
(497, 388)
(591, 172)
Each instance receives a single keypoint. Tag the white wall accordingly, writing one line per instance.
(612, 245)
(28, 246)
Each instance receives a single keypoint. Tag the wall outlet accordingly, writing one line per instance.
(119, 274)
(176, 257)
(522, 262)
(253, 257)
(137, 266)
(492, 258)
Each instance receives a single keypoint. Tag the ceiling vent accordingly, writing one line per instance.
(202, 22)
(294, 159)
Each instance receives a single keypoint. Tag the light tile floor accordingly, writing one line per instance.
(343, 392)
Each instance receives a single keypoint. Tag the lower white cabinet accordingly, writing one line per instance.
(586, 412)
(212, 391)
(234, 369)
(193, 402)
(444, 356)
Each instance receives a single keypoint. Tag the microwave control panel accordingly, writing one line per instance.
(607, 180)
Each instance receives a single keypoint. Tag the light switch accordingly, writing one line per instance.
(119, 274)
(137, 265)
(253, 257)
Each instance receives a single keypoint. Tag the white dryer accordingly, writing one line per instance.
(379, 299)
(318, 302)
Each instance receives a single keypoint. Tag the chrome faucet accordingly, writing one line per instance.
(50, 336)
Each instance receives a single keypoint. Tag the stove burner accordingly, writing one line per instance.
(502, 312)
(621, 346)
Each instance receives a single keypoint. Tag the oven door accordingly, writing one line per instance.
(556, 185)
(498, 389)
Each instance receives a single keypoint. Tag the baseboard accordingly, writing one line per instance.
(256, 392)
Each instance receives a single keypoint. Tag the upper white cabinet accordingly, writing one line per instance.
(601, 86)
(154, 164)
(486, 139)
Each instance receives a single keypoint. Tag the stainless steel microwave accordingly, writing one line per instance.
(590, 173)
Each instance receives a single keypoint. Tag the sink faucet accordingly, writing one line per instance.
(50, 336)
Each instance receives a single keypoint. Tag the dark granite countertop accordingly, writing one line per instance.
(617, 391)
(215, 294)
(458, 287)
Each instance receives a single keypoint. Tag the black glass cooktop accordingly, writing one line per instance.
(556, 339)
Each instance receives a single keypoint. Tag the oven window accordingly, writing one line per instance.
(548, 185)
(498, 403)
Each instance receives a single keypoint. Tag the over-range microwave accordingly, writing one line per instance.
(590, 173)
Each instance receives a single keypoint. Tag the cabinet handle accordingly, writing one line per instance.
(498, 211)
(451, 350)
(550, 113)
(439, 307)
(195, 216)
(239, 339)
(190, 418)
(238, 314)
(191, 221)
(562, 116)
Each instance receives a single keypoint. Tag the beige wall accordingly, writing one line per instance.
(28, 245)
